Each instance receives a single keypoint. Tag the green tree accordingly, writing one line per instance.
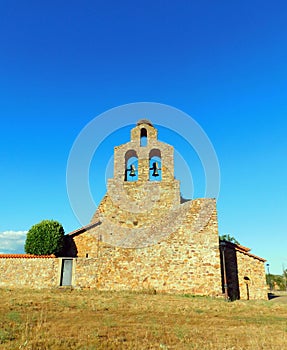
(45, 238)
(285, 279)
(228, 238)
(276, 282)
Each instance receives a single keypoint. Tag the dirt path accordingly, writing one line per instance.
(279, 298)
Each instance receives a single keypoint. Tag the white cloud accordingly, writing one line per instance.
(12, 241)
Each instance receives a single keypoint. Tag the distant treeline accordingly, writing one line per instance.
(277, 282)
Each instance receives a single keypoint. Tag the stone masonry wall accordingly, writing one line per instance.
(252, 268)
(32, 272)
(245, 274)
(184, 261)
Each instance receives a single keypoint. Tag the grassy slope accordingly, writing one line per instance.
(71, 319)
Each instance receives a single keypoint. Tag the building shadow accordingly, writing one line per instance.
(272, 296)
(229, 259)
(70, 248)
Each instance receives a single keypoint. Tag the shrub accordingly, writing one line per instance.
(228, 238)
(45, 238)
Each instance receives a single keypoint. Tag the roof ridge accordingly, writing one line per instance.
(25, 256)
(84, 228)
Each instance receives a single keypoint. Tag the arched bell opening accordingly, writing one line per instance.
(155, 166)
(131, 166)
(143, 138)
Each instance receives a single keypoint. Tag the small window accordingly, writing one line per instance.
(247, 281)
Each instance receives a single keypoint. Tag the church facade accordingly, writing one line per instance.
(144, 236)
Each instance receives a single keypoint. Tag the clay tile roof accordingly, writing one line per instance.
(244, 250)
(25, 256)
(237, 246)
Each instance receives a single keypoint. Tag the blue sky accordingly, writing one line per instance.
(62, 63)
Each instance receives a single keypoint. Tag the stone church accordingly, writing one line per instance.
(144, 236)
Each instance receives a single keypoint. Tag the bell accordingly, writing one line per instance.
(155, 169)
(155, 173)
(132, 171)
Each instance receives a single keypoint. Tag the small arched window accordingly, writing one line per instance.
(247, 281)
(155, 166)
(143, 140)
(131, 166)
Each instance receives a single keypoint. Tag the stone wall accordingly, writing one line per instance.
(245, 273)
(173, 266)
(29, 272)
(185, 260)
(251, 277)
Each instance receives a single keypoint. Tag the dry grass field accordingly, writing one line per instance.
(73, 319)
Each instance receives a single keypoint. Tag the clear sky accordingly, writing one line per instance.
(62, 63)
